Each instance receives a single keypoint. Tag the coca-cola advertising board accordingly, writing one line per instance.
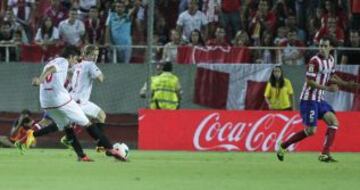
(215, 130)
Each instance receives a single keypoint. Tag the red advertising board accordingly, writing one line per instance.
(208, 130)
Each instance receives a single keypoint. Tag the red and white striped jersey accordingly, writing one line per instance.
(320, 70)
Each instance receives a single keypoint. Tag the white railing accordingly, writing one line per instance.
(157, 47)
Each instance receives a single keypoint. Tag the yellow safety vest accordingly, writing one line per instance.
(164, 88)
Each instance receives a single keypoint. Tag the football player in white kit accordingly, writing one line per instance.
(83, 75)
(57, 102)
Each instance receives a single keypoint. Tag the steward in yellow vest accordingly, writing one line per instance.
(165, 89)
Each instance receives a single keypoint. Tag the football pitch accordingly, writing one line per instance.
(57, 169)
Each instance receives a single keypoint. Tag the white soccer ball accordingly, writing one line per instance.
(122, 148)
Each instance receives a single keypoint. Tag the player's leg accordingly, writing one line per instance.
(96, 115)
(61, 117)
(46, 129)
(75, 144)
(332, 125)
(100, 123)
(76, 115)
(309, 114)
(6, 142)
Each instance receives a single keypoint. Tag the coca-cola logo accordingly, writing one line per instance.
(262, 134)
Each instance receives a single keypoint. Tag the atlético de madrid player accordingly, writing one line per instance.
(320, 77)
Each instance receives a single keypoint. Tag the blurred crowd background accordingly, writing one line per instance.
(49, 25)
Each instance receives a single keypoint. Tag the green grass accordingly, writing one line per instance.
(49, 169)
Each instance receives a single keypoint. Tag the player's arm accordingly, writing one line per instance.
(48, 71)
(311, 73)
(96, 73)
(100, 78)
(15, 127)
(330, 88)
(347, 84)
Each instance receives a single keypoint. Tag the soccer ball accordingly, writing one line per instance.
(122, 148)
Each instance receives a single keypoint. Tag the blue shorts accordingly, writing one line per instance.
(311, 111)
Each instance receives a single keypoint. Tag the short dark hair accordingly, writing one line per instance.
(25, 112)
(70, 51)
(326, 38)
(168, 67)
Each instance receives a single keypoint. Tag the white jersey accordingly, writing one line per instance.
(52, 91)
(83, 75)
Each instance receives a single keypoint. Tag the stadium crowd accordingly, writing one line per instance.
(49, 25)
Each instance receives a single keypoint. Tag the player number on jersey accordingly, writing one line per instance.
(312, 116)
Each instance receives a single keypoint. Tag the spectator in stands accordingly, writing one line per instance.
(105, 7)
(314, 25)
(230, 16)
(281, 10)
(219, 39)
(281, 35)
(354, 14)
(331, 10)
(279, 91)
(211, 8)
(23, 10)
(163, 7)
(352, 56)
(240, 44)
(190, 20)
(291, 24)
(161, 28)
(196, 39)
(57, 12)
(11, 36)
(72, 30)
(184, 4)
(262, 20)
(118, 31)
(84, 6)
(332, 30)
(10, 17)
(241, 39)
(94, 27)
(170, 49)
(139, 21)
(47, 34)
(265, 56)
(291, 55)
(95, 33)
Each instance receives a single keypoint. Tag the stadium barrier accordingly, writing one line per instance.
(32, 53)
(245, 131)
